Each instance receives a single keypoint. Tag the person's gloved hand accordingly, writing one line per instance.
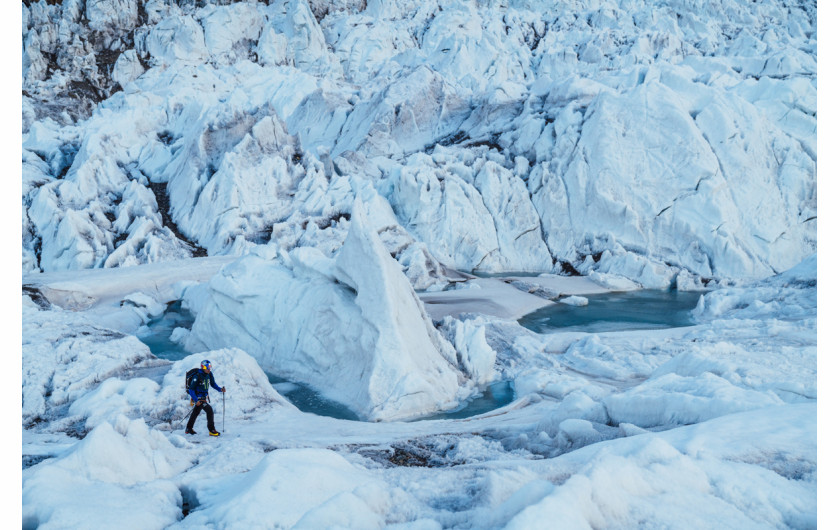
(192, 403)
(223, 389)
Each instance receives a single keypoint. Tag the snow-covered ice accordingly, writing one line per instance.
(605, 429)
(363, 197)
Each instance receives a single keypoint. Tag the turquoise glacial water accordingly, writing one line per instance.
(632, 310)
(605, 312)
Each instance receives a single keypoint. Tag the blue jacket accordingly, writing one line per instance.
(202, 388)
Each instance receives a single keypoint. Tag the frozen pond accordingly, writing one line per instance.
(632, 310)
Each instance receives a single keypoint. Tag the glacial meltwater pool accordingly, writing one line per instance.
(157, 335)
(621, 311)
(634, 310)
(308, 400)
(495, 396)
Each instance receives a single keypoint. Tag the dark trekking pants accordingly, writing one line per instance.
(196, 411)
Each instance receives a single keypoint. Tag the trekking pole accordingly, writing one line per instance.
(182, 419)
(223, 411)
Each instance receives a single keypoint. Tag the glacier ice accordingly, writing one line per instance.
(321, 181)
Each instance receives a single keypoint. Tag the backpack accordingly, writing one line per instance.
(191, 379)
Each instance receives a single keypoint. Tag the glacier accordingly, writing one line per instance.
(364, 196)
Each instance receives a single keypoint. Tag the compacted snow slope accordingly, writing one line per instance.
(318, 182)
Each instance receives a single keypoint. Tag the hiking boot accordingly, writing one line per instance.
(190, 431)
(214, 433)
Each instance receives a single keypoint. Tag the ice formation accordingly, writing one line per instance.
(352, 327)
(645, 141)
(364, 196)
